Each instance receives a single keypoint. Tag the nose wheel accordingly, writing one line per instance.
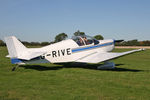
(107, 65)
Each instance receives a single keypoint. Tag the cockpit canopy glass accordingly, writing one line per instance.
(85, 40)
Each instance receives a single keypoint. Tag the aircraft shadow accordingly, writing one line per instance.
(77, 65)
(40, 67)
(94, 67)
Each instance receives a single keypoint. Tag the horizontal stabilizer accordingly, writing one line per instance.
(30, 56)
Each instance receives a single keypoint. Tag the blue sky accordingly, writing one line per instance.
(42, 20)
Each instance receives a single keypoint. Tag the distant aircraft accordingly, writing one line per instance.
(79, 49)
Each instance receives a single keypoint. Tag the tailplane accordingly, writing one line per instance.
(15, 47)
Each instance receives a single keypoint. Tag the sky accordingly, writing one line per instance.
(42, 20)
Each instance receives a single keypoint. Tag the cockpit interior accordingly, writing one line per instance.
(85, 40)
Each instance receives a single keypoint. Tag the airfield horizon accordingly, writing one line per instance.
(130, 81)
(132, 47)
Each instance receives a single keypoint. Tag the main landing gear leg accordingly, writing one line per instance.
(107, 65)
(14, 68)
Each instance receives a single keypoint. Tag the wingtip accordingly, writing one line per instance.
(142, 49)
(8, 56)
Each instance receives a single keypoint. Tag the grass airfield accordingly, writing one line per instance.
(129, 81)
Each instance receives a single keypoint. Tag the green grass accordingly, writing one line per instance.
(131, 80)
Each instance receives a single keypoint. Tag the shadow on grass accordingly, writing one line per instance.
(124, 70)
(94, 67)
(40, 67)
(77, 65)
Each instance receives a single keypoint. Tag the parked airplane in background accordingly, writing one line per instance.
(80, 49)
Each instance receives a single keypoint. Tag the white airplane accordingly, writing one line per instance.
(80, 49)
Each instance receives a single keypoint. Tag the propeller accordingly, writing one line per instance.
(118, 41)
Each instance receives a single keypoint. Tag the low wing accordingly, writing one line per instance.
(100, 57)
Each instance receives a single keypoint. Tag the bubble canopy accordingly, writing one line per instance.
(85, 40)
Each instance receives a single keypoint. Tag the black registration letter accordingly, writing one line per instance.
(68, 51)
(54, 53)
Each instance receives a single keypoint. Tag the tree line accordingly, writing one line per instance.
(134, 43)
(63, 36)
(58, 38)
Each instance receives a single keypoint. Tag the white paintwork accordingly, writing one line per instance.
(64, 51)
(13, 49)
(104, 56)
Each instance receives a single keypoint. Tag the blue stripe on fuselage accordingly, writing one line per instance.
(91, 47)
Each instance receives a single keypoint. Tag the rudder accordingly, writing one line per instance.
(14, 46)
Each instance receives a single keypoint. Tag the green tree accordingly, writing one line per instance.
(2, 43)
(146, 43)
(99, 37)
(129, 43)
(35, 44)
(45, 43)
(78, 33)
(26, 43)
(60, 37)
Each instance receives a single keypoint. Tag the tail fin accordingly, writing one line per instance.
(14, 46)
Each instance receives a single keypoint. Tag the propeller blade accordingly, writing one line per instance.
(119, 40)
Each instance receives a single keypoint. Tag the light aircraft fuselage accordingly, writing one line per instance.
(83, 49)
